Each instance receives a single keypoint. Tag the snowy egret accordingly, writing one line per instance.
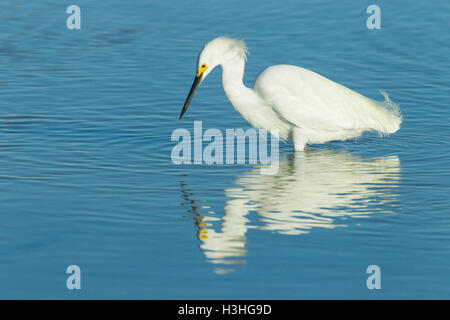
(292, 102)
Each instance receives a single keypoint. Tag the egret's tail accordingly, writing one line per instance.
(390, 115)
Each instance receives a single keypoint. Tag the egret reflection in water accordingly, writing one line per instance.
(315, 189)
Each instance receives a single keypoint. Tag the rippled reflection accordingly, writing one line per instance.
(315, 189)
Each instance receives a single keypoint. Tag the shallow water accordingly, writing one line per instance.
(86, 176)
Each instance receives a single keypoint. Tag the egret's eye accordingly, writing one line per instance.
(202, 69)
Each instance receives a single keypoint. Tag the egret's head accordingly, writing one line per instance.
(214, 53)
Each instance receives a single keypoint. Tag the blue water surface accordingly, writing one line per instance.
(86, 176)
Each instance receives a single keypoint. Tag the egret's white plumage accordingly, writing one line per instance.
(293, 102)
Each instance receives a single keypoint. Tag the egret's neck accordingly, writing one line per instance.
(241, 97)
(248, 102)
(233, 74)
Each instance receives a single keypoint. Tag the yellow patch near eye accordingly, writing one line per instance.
(202, 69)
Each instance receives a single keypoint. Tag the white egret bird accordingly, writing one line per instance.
(293, 102)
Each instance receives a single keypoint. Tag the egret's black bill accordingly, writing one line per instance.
(194, 87)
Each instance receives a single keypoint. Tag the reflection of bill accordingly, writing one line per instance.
(315, 189)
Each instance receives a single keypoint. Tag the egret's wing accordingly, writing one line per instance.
(308, 100)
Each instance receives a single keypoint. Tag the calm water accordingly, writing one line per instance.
(86, 176)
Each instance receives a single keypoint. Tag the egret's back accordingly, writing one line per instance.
(321, 106)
